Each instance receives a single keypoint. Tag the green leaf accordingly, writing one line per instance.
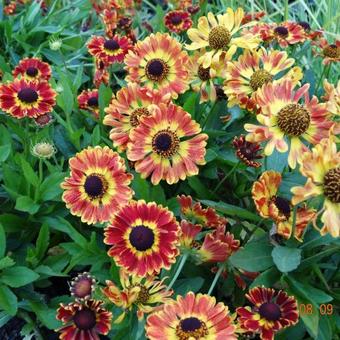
(42, 241)
(141, 187)
(255, 256)
(104, 98)
(268, 278)
(96, 135)
(183, 286)
(8, 301)
(4, 317)
(45, 315)
(29, 174)
(26, 204)
(232, 210)
(210, 155)
(5, 151)
(200, 189)
(50, 187)
(286, 259)
(277, 161)
(2, 241)
(18, 276)
(6, 262)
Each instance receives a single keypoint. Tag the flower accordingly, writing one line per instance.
(332, 97)
(329, 52)
(101, 73)
(271, 311)
(43, 150)
(288, 33)
(247, 152)
(88, 100)
(55, 43)
(126, 110)
(10, 8)
(158, 62)
(98, 185)
(111, 50)
(158, 147)
(191, 317)
(83, 320)
(189, 231)
(21, 98)
(218, 246)
(270, 205)
(282, 116)
(33, 68)
(321, 167)
(252, 16)
(253, 69)
(218, 36)
(144, 238)
(43, 120)
(196, 214)
(83, 286)
(143, 292)
(177, 21)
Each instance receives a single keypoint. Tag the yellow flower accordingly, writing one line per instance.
(218, 36)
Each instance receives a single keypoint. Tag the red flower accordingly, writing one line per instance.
(177, 21)
(88, 100)
(33, 68)
(272, 310)
(83, 321)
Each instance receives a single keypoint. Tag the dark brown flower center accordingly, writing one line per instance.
(137, 114)
(143, 295)
(283, 206)
(270, 311)
(305, 25)
(191, 328)
(142, 238)
(124, 22)
(156, 69)
(92, 101)
(293, 120)
(332, 51)
(331, 186)
(111, 45)
(32, 71)
(28, 95)
(85, 319)
(281, 31)
(176, 19)
(219, 37)
(203, 73)
(259, 78)
(165, 143)
(95, 186)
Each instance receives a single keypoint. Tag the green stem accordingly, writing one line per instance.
(209, 114)
(294, 221)
(217, 275)
(41, 174)
(225, 177)
(286, 10)
(179, 269)
(325, 71)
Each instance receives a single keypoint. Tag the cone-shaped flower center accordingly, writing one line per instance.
(281, 31)
(332, 51)
(95, 186)
(156, 69)
(293, 120)
(92, 101)
(203, 73)
(143, 295)
(28, 95)
(219, 37)
(111, 45)
(191, 328)
(176, 19)
(85, 319)
(331, 186)
(32, 71)
(283, 205)
(82, 286)
(260, 78)
(165, 143)
(137, 114)
(270, 311)
(142, 238)
(305, 25)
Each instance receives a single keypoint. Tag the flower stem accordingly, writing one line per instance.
(294, 221)
(178, 271)
(225, 177)
(325, 71)
(217, 275)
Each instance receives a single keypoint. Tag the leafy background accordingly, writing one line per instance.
(42, 246)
